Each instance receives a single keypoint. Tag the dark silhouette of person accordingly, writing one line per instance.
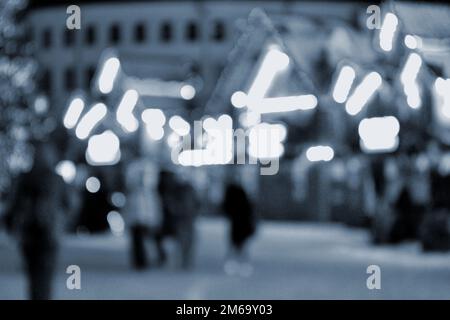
(179, 206)
(36, 209)
(240, 214)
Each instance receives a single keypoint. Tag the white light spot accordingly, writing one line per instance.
(239, 99)
(413, 42)
(362, 93)
(73, 113)
(179, 125)
(108, 75)
(187, 92)
(116, 223)
(67, 170)
(379, 134)
(103, 149)
(343, 84)
(93, 184)
(90, 120)
(320, 153)
(124, 114)
(387, 31)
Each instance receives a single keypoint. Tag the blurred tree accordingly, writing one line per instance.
(17, 69)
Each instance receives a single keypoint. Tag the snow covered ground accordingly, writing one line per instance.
(290, 260)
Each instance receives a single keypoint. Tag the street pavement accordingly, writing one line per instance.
(290, 261)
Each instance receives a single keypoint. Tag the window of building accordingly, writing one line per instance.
(192, 32)
(139, 33)
(219, 32)
(114, 34)
(47, 38)
(69, 37)
(70, 79)
(46, 82)
(90, 35)
(166, 32)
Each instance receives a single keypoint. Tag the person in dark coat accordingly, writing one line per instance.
(239, 211)
(36, 210)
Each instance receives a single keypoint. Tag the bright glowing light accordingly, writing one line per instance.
(320, 153)
(273, 62)
(93, 184)
(239, 99)
(362, 93)
(187, 92)
(124, 114)
(67, 170)
(286, 104)
(249, 118)
(413, 42)
(442, 88)
(343, 84)
(387, 31)
(73, 113)
(173, 139)
(265, 141)
(108, 75)
(179, 125)
(103, 149)
(154, 120)
(379, 134)
(90, 120)
(116, 223)
(408, 78)
(219, 144)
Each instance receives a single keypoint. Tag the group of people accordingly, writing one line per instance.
(160, 205)
(412, 203)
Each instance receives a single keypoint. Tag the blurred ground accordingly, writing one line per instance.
(291, 260)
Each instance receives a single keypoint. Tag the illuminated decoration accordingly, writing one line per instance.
(187, 92)
(173, 140)
(408, 78)
(286, 104)
(320, 153)
(116, 223)
(442, 89)
(274, 62)
(379, 134)
(362, 93)
(124, 114)
(265, 141)
(343, 84)
(154, 120)
(249, 119)
(90, 120)
(239, 99)
(73, 113)
(179, 125)
(103, 149)
(93, 184)
(67, 170)
(387, 31)
(219, 144)
(108, 75)
(413, 42)
(159, 88)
